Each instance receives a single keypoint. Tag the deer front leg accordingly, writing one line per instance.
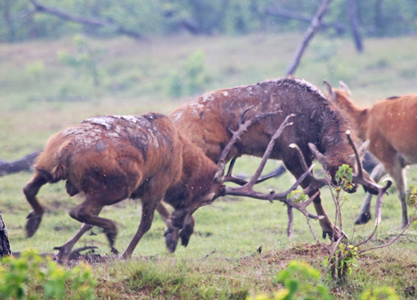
(176, 222)
(329, 230)
(88, 211)
(148, 210)
(365, 213)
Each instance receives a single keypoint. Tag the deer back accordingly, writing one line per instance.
(114, 150)
(210, 120)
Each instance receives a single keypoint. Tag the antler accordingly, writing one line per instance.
(243, 127)
(372, 187)
(315, 183)
(247, 188)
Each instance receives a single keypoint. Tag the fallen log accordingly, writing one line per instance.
(23, 164)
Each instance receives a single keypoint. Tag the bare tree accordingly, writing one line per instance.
(23, 164)
(308, 35)
(354, 24)
(294, 15)
(93, 22)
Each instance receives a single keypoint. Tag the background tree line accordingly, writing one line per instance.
(49, 19)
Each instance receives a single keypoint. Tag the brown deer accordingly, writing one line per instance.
(319, 130)
(111, 158)
(390, 126)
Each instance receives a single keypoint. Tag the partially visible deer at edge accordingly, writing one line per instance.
(391, 127)
(319, 130)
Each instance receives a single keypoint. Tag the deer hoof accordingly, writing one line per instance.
(363, 218)
(334, 234)
(171, 243)
(32, 224)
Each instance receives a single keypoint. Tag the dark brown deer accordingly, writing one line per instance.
(391, 127)
(111, 158)
(319, 130)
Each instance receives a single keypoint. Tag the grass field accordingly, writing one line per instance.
(40, 95)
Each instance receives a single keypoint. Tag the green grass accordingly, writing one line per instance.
(221, 260)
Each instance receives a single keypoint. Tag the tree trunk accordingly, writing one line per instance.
(23, 164)
(4, 240)
(308, 35)
(378, 18)
(354, 24)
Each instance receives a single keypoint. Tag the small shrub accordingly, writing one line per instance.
(31, 276)
(191, 78)
(300, 281)
(382, 293)
(86, 61)
(35, 68)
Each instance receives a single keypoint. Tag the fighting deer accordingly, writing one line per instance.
(111, 158)
(319, 131)
(390, 126)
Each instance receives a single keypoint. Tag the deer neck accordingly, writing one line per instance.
(358, 116)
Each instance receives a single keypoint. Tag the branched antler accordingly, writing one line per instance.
(372, 187)
(247, 188)
(315, 183)
(243, 127)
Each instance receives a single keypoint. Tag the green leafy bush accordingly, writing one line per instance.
(191, 79)
(300, 281)
(32, 277)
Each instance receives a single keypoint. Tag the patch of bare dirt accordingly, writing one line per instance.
(309, 253)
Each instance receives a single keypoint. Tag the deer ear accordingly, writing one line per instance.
(329, 90)
(318, 155)
(345, 88)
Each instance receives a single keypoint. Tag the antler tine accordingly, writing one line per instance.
(249, 192)
(355, 150)
(219, 176)
(269, 148)
(315, 183)
(229, 177)
(242, 116)
(290, 220)
(359, 178)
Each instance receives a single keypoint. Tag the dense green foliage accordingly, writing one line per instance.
(32, 277)
(161, 17)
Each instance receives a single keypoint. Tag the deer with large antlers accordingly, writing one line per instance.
(318, 131)
(390, 126)
(111, 158)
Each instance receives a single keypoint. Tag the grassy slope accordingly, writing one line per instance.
(35, 104)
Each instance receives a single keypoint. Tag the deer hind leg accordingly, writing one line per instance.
(397, 173)
(65, 250)
(176, 223)
(365, 213)
(31, 190)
